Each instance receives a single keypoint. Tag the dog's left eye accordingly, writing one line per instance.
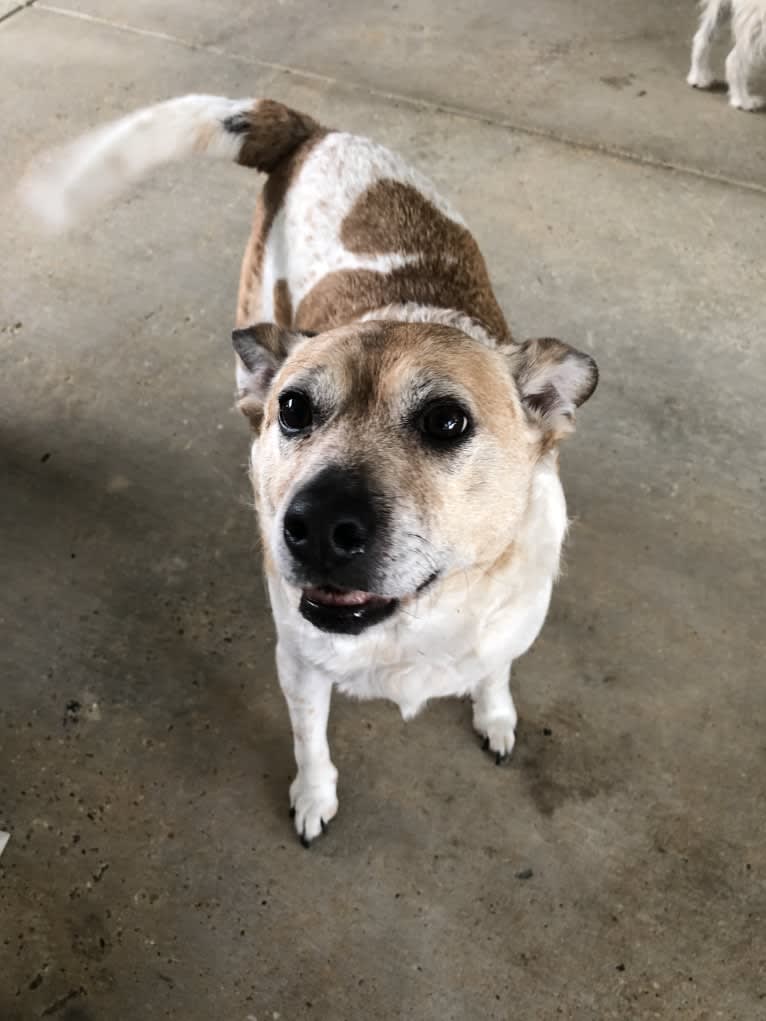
(295, 413)
(444, 422)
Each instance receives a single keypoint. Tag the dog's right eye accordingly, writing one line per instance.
(295, 413)
(444, 423)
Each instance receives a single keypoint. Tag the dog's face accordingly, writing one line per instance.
(391, 455)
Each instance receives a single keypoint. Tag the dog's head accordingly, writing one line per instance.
(390, 455)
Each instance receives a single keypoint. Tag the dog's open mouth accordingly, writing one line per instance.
(345, 611)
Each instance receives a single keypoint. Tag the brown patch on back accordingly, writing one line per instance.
(283, 305)
(392, 217)
(345, 295)
(268, 205)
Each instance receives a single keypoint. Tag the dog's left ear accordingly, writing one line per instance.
(261, 349)
(553, 380)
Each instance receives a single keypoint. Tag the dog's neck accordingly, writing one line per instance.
(412, 312)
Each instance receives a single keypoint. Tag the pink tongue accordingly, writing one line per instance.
(329, 597)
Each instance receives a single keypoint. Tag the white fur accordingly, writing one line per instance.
(458, 640)
(411, 312)
(75, 180)
(748, 23)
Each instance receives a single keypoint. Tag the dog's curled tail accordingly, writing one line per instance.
(68, 184)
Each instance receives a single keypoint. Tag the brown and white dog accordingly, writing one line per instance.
(404, 455)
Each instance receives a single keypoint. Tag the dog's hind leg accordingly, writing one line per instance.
(749, 43)
(701, 73)
(494, 714)
(313, 798)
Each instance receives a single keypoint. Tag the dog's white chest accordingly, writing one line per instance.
(446, 642)
(462, 644)
(432, 649)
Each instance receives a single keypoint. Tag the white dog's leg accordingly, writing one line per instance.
(701, 73)
(494, 714)
(737, 71)
(313, 798)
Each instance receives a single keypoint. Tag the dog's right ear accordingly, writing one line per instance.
(261, 349)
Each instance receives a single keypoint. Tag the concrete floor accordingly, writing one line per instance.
(616, 869)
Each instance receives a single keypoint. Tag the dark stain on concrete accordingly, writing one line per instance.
(570, 760)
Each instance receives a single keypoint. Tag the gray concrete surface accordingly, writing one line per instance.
(144, 748)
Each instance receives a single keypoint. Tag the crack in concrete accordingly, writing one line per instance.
(464, 113)
(22, 6)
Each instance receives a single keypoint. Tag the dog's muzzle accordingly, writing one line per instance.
(333, 529)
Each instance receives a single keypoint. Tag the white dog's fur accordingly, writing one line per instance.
(748, 24)
(459, 636)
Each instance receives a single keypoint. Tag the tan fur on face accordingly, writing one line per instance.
(464, 504)
(393, 217)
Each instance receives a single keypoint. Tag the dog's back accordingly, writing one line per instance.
(343, 227)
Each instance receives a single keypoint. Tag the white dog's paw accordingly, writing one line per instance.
(499, 736)
(313, 804)
(747, 102)
(700, 79)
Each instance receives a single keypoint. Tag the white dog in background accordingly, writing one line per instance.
(748, 23)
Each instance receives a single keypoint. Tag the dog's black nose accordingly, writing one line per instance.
(330, 521)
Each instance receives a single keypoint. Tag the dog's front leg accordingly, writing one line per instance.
(313, 798)
(494, 714)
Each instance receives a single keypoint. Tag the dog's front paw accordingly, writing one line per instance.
(313, 803)
(748, 103)
(499, 736)
(700, 79)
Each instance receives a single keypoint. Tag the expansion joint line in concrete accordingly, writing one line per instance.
(22, 6)
(414, 102)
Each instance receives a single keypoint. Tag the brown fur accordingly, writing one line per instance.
(269, 203)
(450, 273)
(274, 132)
(283, 304)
